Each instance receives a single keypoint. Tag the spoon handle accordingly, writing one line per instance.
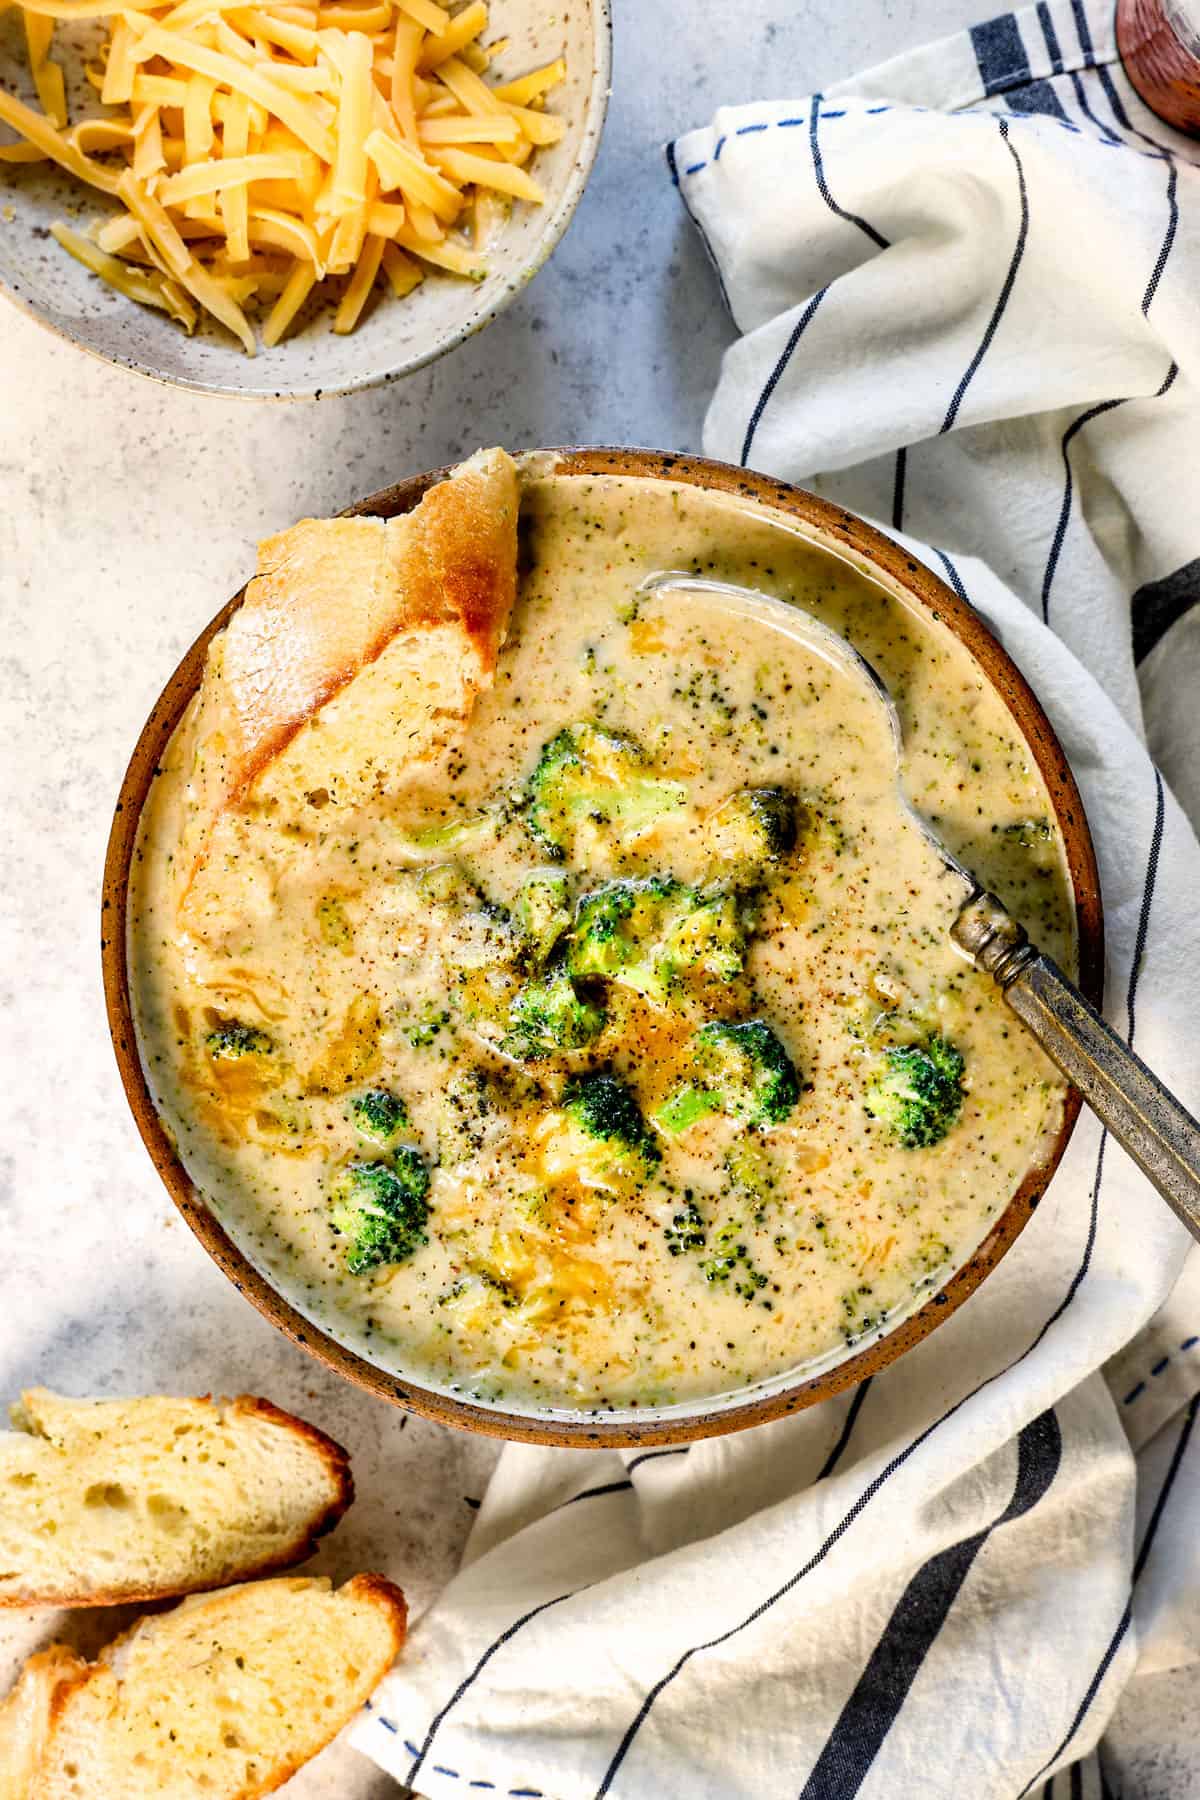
(1150, 1124)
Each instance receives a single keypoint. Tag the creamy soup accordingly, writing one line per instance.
(624, 1059)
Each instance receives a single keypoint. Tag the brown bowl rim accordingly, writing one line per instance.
(836, 526)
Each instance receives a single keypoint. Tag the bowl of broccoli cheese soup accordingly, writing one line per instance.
(530, 984)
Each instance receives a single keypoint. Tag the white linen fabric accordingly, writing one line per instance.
(967, 288)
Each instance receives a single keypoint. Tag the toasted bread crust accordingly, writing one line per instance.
(455, 556)
(379, 1591)
(378, 1588)
(331, 594)
(29, 1713)
(331, 1453)
(337, 1464)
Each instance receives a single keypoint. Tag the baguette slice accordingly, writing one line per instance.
(104, 1501)
(410, 612)
(222, 1698)
(26, 1716)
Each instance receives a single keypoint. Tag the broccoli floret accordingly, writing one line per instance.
(917, 1092)
(379, 1116)
(543, 910)
(740, 1069)
(648, 933)
(590, 776)
(754, 827)
(599, 1136)
(686, 1230)
(382, 1208)
(705, 937)
(618, 926)
(231, 1040)
(549, 1015)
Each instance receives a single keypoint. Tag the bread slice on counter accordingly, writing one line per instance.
(222, 1698)
(104, 1501)
(410, 612)
(26, 1717)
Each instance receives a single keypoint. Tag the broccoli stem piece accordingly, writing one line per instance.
(454, 834)
(917, 1091)
(740, 1069)
(550, 1016)
(686, 1107)
(382, 1208)
(543, 910)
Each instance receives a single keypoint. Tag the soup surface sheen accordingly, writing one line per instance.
(725, 1247)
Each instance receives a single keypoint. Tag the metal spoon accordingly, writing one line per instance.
(1147, 1121)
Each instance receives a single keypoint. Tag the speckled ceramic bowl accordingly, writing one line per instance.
(834, 529)
(397, 336)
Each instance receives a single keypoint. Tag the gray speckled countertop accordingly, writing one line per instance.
(128, 513)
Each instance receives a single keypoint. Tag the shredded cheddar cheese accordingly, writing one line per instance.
(261, 153)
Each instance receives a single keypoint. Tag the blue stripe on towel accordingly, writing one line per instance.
(468, 1679)
(823, 186)
(1037, 97)
(898, 482)
(1105, 406)
(1000, 53)
(835, 1455)
(1094, 1686)
(912, 1630)
(1124, 1621)
(1005, 291)
(1053, 49)
(801, 326)
(1108, 135)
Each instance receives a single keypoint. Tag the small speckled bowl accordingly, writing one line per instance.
(396, 336)
(831, 528)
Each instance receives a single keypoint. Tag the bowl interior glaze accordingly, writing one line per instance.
(395, 337)
(845, 534)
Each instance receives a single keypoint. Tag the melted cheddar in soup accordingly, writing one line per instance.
(586, 1033)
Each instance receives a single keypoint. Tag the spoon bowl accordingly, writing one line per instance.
(791, 622)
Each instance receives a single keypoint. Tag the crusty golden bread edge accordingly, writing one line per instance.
(383, 1592)
(29, 1712)
(337, 1462)
(455, 589)
(75, 1672)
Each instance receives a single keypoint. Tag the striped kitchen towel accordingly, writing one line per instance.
(966, 289)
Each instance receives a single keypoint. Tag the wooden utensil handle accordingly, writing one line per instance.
(1146, 1120)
